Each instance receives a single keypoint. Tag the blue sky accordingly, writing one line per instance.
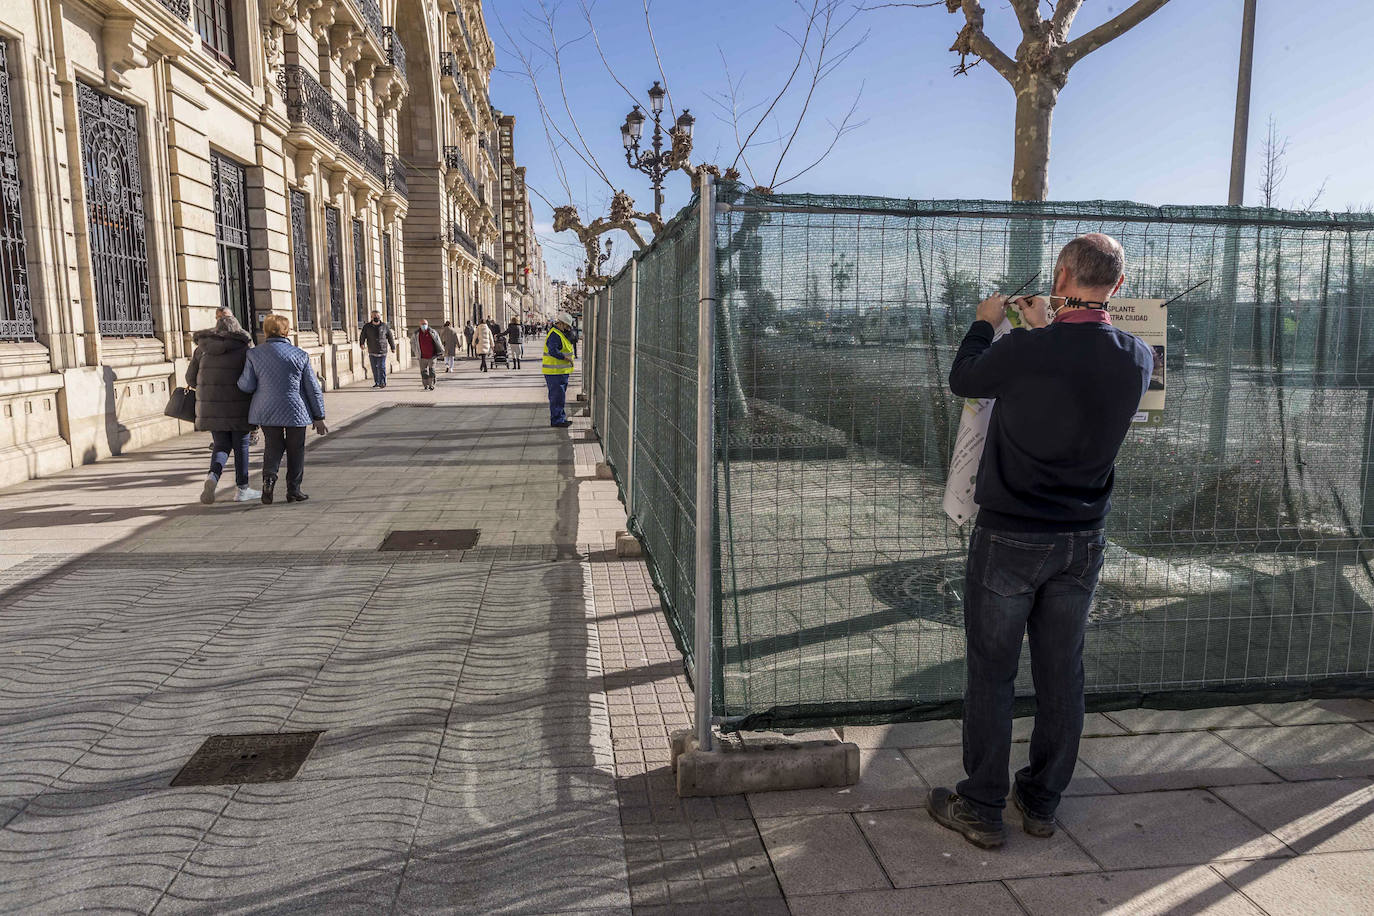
(1146, 118)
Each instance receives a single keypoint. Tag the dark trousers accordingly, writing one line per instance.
(378, 368)
(222, 442)
(558, 397)
(1017, 583)
(484, 362)
(290, 440)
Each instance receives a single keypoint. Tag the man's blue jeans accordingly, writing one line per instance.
(558, 398)
(222, 442)
(1017, 583)
(378, 368)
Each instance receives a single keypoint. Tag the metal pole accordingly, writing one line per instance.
(608, 300)
(630, 408)
(706, 449)
(1247, 63)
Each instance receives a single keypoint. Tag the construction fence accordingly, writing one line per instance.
(1239, 557)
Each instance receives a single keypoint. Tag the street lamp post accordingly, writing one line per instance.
(654, 163)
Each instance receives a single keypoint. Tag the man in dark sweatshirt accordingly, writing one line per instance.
(1066, 393)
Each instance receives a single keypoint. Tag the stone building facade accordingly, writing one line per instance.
(159, 158)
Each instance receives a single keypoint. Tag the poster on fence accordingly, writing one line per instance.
(968, 446)
(1147, 319)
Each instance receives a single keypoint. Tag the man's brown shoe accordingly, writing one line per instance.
(949, 810)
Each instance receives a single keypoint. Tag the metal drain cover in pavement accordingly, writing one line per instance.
(226, 760)
(433, 539)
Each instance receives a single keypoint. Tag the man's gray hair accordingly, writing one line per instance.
(229, 325)
(1094, 261)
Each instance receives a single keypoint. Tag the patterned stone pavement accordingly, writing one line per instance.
(495, 721)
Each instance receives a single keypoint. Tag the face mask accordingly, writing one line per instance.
(424, 327)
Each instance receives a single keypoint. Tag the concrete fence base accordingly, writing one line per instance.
(762, 766)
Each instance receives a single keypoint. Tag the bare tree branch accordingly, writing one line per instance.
(1062, 20)
(787, 84)
(590, 158)
(841, 130)
(1027, 14)
(596, 39)
(972, 40)
(1113, 28)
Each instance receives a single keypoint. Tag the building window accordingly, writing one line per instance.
(334, 255)
(360, 271)
(230, 182)
(216, 28)
(387, 293)
(16, 309)
(303, 265)
(113, 167)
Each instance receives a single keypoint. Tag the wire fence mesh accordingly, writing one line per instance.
(1239, 553)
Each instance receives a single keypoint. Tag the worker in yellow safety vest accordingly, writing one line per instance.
(558, 367)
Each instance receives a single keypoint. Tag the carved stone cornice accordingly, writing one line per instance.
(322, 18)
(307, 159)
(284, 13)
(130, 43)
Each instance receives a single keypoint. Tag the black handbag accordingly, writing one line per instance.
(182, 404)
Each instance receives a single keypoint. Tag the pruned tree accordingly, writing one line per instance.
(1037, 73)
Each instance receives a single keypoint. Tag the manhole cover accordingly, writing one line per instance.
(432, 539)
(226, 760)
(933, 589)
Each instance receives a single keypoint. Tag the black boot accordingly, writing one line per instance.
(269, 483)
(295, 496)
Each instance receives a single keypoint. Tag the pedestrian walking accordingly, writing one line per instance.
(1066, 392)
(428, 347)
(468, 333)
(515, 337)
(221, 408)
(286, 399)
(557, 368)
(376, 338)
(484, 340)
(449, 335)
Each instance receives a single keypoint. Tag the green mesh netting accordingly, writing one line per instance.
(1239, 554)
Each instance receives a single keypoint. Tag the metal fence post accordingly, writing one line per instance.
(630, 408)
(706, 449)
(608, 302)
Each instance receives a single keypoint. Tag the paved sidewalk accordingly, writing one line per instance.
(496, 720)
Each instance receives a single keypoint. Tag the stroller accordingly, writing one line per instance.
(500, 352)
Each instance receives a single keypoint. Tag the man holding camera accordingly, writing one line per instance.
(1066, 391)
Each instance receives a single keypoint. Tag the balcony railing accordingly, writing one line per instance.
(467, 100)
(448, 64)
(462, 238)
(395, 52)
(463, 24)
(453, 158)
(178, 8)
(309, 103)
(372, 15)
(396, 176)
(350, 134)
(491, 263)
(374, 160)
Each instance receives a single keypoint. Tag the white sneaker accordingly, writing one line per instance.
(207, 495)
(245, 494)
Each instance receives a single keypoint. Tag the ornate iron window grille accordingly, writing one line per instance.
(116, 224)
(360, 271)
(230, 183)
(16, 308)
(178, 8)
(395, 51)
(302, 262)
(334, 254)
(388, 294)
(448, 64)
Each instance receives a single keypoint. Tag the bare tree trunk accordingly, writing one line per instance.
(1035, 100)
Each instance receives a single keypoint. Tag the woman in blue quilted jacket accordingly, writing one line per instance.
(286, 399)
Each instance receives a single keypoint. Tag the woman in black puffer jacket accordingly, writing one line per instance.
(221, 408)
